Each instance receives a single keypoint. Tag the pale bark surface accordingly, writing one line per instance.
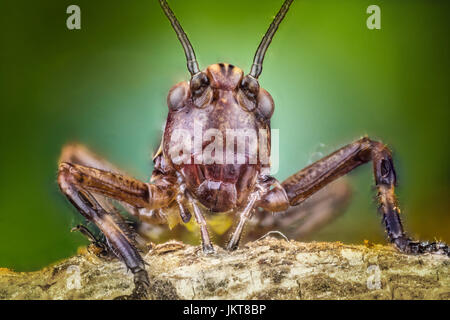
(266, 269)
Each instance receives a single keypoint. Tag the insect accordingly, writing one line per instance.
(220, 98)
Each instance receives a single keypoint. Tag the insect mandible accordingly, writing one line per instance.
(219, 98)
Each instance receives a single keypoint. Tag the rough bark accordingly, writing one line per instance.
(266, 269)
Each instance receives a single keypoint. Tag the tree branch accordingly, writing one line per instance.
(266, 269)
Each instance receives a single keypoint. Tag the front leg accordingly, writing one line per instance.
(82, 184)
(244, 215)
(274, 199)
(200, 219)
(306, 182)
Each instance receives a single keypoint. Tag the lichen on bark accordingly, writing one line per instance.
(265, 269)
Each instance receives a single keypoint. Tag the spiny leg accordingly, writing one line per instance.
(82, 186)
(116, 238)
(303, 184)
(76, 153)
(98, 243)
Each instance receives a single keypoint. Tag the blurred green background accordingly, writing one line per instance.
(332, 79)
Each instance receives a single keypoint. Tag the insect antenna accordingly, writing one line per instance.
(192, 64)
(267, 39)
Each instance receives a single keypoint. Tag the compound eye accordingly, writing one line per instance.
(177, 96)
(249, 92)
(265, 104)
(200, 90)
(199, 82)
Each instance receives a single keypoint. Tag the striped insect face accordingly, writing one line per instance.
(205, 120)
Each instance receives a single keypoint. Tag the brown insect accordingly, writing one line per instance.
(219, 98)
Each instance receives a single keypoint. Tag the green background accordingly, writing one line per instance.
(332, 79)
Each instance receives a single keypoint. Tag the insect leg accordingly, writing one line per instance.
(77, 153)
(118, 186)
(306, 182)
(82, 186)
(117, 239)
(243, 218)
(92, 239)
(206, 241)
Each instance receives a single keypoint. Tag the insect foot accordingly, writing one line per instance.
(99, 247)
(410, 246)
(141, 286)
(208, 249)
